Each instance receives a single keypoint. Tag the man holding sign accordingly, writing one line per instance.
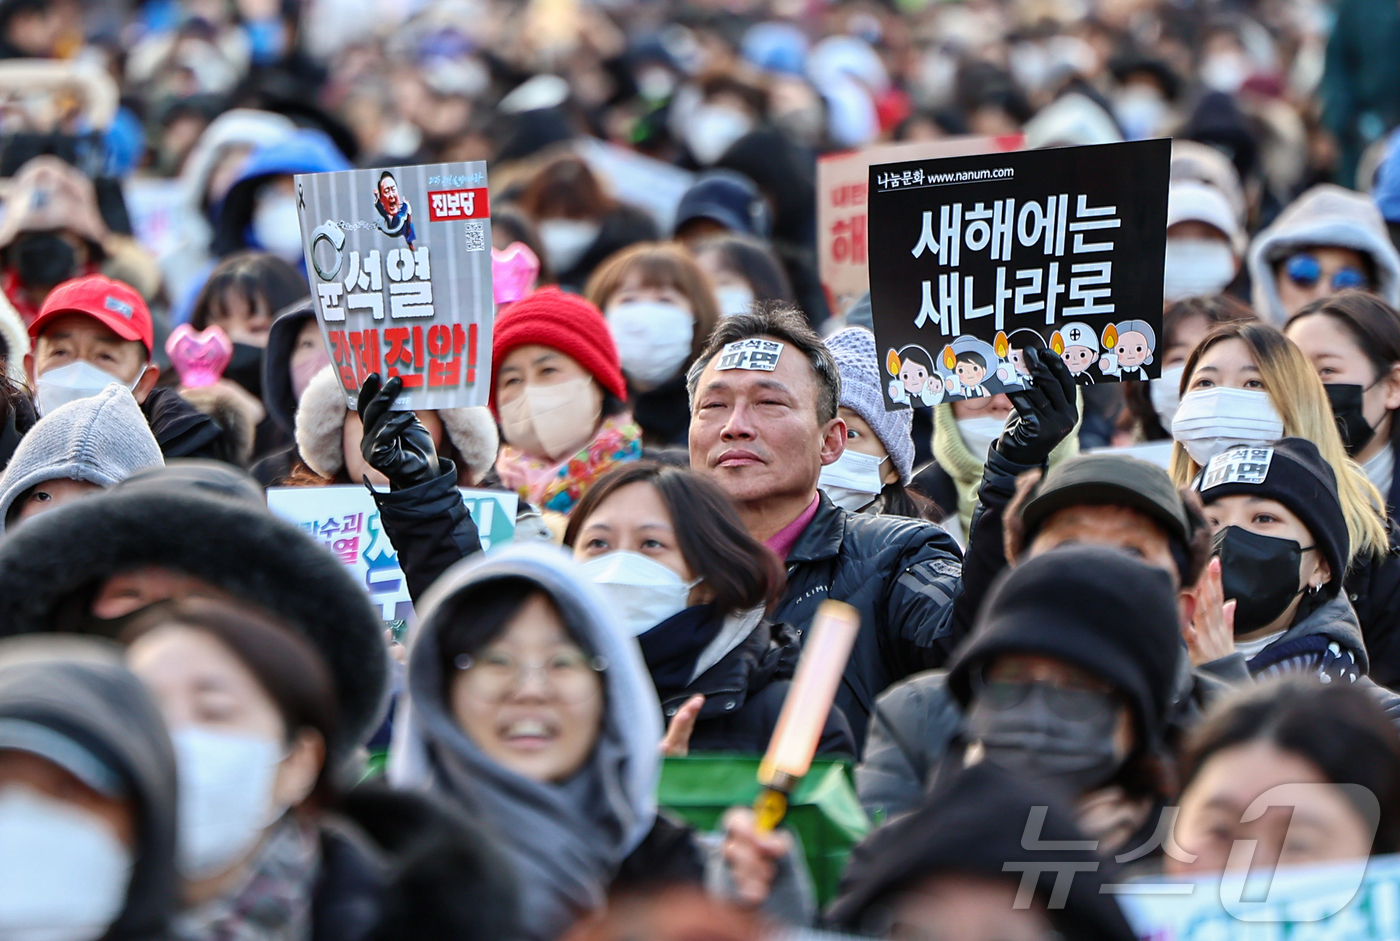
(764, 422)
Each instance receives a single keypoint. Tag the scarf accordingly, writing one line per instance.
(954, 456)
(274, 903)
(558, 486)
(672, 648)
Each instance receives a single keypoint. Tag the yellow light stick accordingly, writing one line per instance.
(808, 703)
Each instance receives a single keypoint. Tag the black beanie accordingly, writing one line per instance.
(1092, 607)
(1292, 472)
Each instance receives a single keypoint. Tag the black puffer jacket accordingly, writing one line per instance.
(1373, 588)
(745, 687)
(181, 430)
(901, 575)
(430, 527)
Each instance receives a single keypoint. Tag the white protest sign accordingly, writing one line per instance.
(1348, 901)
(400, 266)
(637, 179)
(345, 519)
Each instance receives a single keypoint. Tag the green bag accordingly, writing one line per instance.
(823, 810)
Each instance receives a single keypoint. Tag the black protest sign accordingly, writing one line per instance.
(973, 259)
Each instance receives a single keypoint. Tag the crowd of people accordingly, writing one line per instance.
(1124, 612)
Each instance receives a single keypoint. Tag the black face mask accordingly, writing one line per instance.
(1260, 573)
(43, 260)
(1046, 732)
(245, 368)
(1346, 399)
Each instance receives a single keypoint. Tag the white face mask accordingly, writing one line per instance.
(1226, 72)
(653, 339)
(853, 480)
(1210, 421)
(226, 804)
(1196, 268)
(277, 228)
(63, 872)
(1140, 111)
(712, 130)
(643, 591)
(734, 299)
(80, 380)
(1166, 394)
(566, 240)
(553, 421)
(979, 433)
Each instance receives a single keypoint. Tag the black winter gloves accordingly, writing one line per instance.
(395, 443)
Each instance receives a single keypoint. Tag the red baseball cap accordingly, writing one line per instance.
(114, 304)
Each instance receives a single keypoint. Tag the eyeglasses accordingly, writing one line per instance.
(493, 675)
(1305, 271)
(1066, 702)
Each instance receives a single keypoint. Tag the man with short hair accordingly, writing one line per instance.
(764, 422)
(93, 331)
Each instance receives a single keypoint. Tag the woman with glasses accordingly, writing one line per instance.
(531, 709)
(1328, 240)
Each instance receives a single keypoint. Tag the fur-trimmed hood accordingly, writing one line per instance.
(1324, 215)
(51, 567)
(321, 420)
(14, 335)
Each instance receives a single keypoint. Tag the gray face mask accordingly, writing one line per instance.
(1047, 732)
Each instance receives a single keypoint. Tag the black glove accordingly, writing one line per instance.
(1045, 413)
(395, 443)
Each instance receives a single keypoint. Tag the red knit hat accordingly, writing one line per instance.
(564, 322)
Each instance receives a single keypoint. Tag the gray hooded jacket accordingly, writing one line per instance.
(102, 439)
(567, 840)
(80, 688)
(1324, 215)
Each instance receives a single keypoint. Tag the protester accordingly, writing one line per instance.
(1330, 743)
(1327, 240)
(660, 309)
(1084, 703)
(53, 231)
(76, 450)
(1151, 406)
(1281, 535)
(252, 715)
(743, 270)
(559, 393)
(718, 202)
(562, 764)
(295, 353)
(579, 224)
(872, 474)
(93, 331)
(1205, 242)
(87, 796)
(1353, 341)
(1247, 384)
(942, 869)
(689, 582)
(764, 435)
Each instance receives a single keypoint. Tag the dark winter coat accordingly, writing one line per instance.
(402, 866)
(430, 527)
(81, 688)
(1373, 588)
(181, 430)
(744, 690)
(19, 418)
(277, 395)
(901, 575)
(663, 412)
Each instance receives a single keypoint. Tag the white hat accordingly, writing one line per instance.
(1194, 201)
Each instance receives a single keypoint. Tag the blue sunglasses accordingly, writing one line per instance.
(1305, 271)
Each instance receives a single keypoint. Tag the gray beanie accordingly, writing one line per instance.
(102, 439)
(861, 391)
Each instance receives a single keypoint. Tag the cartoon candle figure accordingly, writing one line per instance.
(1078, 345)
(914, 376)
(1127, 347)
(805, 709)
